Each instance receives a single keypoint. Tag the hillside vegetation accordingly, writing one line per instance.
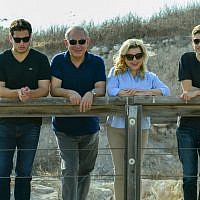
(167, 35)
(168, 23)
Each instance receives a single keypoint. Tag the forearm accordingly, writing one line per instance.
(61, 92)
(197, 92)
(186, 86)
(156, 92)
(8, 93)
(124, 93)
(100, 92)
(100, 88)
(189, 91)
(39, 92)
(195, 89)
(153, 92)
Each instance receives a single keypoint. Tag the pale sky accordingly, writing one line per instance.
(44, 13)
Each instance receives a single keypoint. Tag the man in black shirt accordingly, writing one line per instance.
(24, 74)
(188, 132)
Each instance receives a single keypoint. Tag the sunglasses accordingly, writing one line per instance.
(196, 41)
(74, 42)
(131, 56)
(24, 39)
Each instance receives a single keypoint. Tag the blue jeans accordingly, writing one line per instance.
(25, 138)
(188, 149)
(78, 155)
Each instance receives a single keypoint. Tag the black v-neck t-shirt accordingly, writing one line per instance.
(189, 69)
(28, 72)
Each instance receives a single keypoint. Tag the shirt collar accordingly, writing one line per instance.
(87, 56)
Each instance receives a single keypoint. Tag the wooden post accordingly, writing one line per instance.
(133, 152)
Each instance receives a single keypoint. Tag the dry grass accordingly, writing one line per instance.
(168, 23)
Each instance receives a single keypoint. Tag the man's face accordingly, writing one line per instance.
(77, 44)
(20, 41)
(196, 43)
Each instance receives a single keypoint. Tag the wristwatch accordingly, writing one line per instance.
(93, 92)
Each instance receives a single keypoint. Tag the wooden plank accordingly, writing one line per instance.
(164, 100)
(46, 111)
(133, 154)
(62, 101)
(137, 100)
(160, 109)
(169, 114)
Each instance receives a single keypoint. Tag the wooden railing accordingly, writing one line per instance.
(160, 109)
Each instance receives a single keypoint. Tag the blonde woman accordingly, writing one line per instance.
(129, 77)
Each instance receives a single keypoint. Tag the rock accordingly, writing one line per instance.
(101, 191)
(162, 190)
(42, 192)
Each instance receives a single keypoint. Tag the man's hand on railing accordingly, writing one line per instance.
(24, 94)
(188, 95)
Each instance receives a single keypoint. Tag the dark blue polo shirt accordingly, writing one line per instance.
(81, 80)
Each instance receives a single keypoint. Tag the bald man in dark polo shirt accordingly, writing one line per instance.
(79, 76)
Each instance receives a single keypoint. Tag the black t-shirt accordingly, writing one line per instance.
(189, 69)
(17, 74)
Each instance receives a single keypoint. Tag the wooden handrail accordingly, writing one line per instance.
(160, 109)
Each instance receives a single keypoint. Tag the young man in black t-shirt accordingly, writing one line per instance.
(188, 132)
(24, 74)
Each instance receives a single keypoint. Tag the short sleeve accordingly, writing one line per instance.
(44, 73)
(56, 67)
(184, 72)
(100, 71)
(2, 70)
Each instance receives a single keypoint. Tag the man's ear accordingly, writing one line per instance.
(10, 38)
(65, 42)
(31, 38)
(88, 41)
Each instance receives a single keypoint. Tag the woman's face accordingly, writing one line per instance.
(134, 59)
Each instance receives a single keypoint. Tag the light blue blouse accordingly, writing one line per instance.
(127, 81)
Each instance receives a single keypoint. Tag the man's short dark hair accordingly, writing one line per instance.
(20, 25)
(196, 30)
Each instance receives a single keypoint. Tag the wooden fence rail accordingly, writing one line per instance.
(160, 109)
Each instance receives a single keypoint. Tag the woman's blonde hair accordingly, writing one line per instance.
(119, 60)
